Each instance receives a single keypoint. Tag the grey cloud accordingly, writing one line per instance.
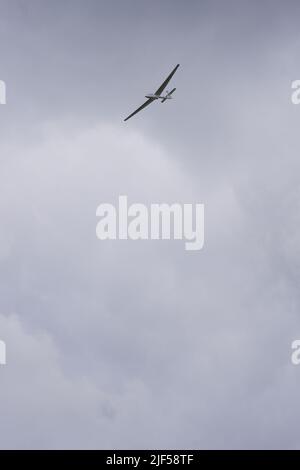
(143, 344)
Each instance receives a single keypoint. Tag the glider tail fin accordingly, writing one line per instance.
(168, 96)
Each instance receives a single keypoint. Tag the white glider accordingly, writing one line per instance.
(157, 95)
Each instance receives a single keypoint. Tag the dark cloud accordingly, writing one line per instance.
(142, 344)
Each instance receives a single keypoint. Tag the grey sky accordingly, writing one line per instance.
(141, 344)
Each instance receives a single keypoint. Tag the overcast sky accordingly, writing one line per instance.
(123, 344)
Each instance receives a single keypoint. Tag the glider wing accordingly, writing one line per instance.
(140, 108)
(163, 86)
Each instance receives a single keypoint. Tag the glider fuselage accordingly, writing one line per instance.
(158, 97)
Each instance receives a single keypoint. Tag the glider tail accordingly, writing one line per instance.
(168, 96)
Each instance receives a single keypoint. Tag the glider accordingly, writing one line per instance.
(157, 95)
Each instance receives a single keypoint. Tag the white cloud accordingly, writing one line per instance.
(136, 344)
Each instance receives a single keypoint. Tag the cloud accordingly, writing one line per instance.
(73, 362)
(142, 344)
(109, 342)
